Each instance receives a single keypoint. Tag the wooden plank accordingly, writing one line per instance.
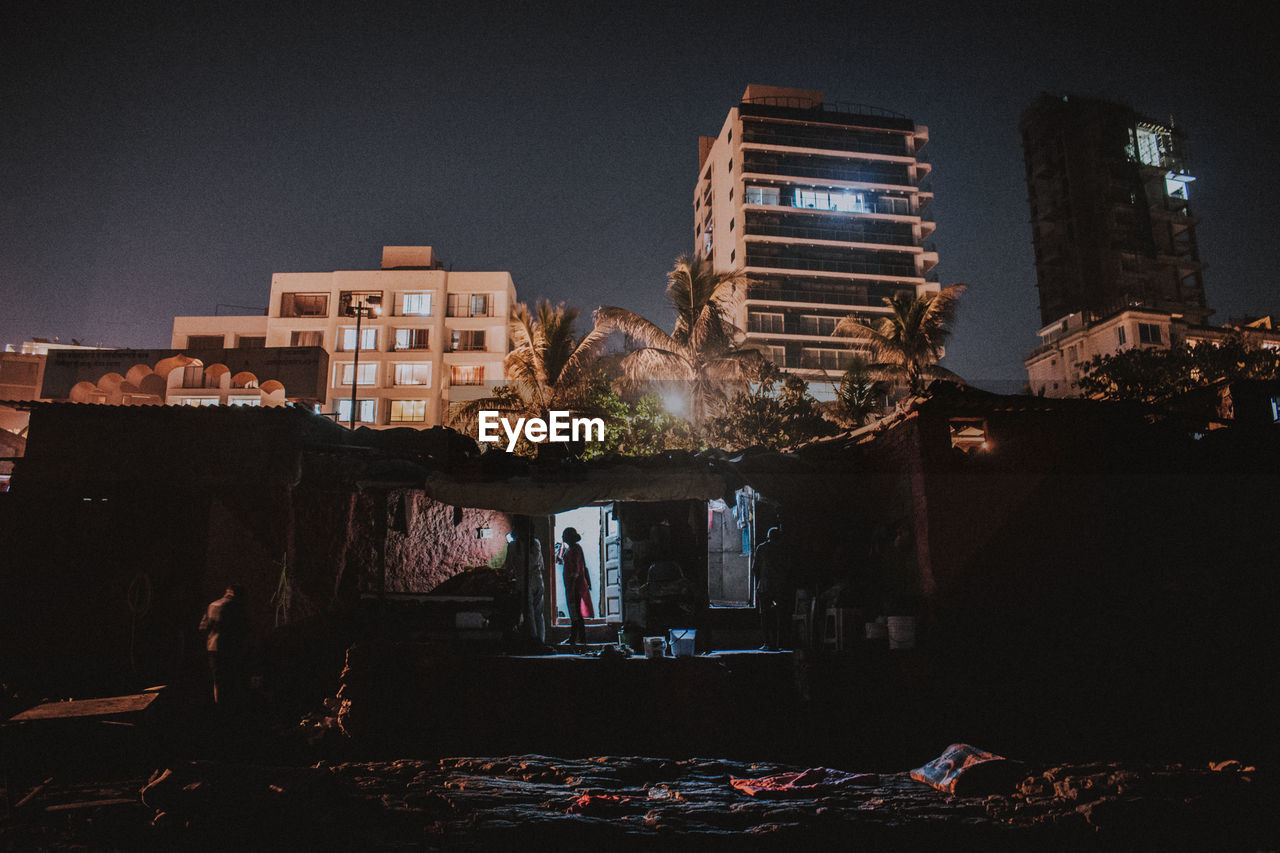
(93, 804)
(83, 708)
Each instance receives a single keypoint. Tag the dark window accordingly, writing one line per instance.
(304, 305)
(468, 305)
(306, 339)
(1148, 333)
(205, 341)
(252, 342)
(350, 300)
(468, 340)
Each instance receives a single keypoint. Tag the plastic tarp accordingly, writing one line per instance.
(813, 782)
(966, 771)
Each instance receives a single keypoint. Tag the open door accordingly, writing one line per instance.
(611, 565)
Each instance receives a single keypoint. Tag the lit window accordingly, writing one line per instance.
(364, 411)
(408, 411)
(415, 304)
(245, 401)
(418, 373)
(969, 434)
(842, 201)
(368, 339)
(760, 195)
(466, 375)
(368, 373)
(411, 339)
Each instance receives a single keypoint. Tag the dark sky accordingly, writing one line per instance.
(159, 159)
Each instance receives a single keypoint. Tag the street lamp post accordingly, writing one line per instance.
(363, 308)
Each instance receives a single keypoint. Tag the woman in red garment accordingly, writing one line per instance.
(577, 587)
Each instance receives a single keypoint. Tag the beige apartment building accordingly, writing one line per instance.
(825, 206)
(1068, 344)
(428, 337)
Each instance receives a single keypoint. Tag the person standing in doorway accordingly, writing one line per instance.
(774, 587)
(577, 587)
(226, 627)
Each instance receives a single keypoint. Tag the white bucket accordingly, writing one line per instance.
(902, 632)
(653, 647)
(681, 641)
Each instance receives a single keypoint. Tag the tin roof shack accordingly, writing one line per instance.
(1066, 550)
(125, 521)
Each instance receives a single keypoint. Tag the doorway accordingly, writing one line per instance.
(602, 551)
(731, 540)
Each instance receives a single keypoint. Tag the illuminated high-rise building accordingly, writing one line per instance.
(825, 206)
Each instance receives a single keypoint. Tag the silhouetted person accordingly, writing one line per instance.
(577, 586)
(774, 587)
(525, 567)
(227, 626)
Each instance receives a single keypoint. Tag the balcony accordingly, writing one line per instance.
(856, 296)
(851, 266)
(843, 232)
(813, 327)
(827, 169)
(824, 139)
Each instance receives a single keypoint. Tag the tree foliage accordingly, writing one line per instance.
(1155, 376)
(702, 356)
(640, 428)
(548, 368)
(768, 417)
(908, 341)
(861, 391)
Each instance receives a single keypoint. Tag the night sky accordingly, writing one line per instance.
(161, 159)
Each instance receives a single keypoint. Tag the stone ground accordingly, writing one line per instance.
(635, 803)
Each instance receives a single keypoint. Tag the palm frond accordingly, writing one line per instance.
(632, 325)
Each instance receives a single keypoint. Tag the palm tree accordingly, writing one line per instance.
(547, 368)
(703, 349)
(908, 341)
(860, 391)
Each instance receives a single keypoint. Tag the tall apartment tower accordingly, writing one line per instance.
(825, 206)
(1111, 221)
